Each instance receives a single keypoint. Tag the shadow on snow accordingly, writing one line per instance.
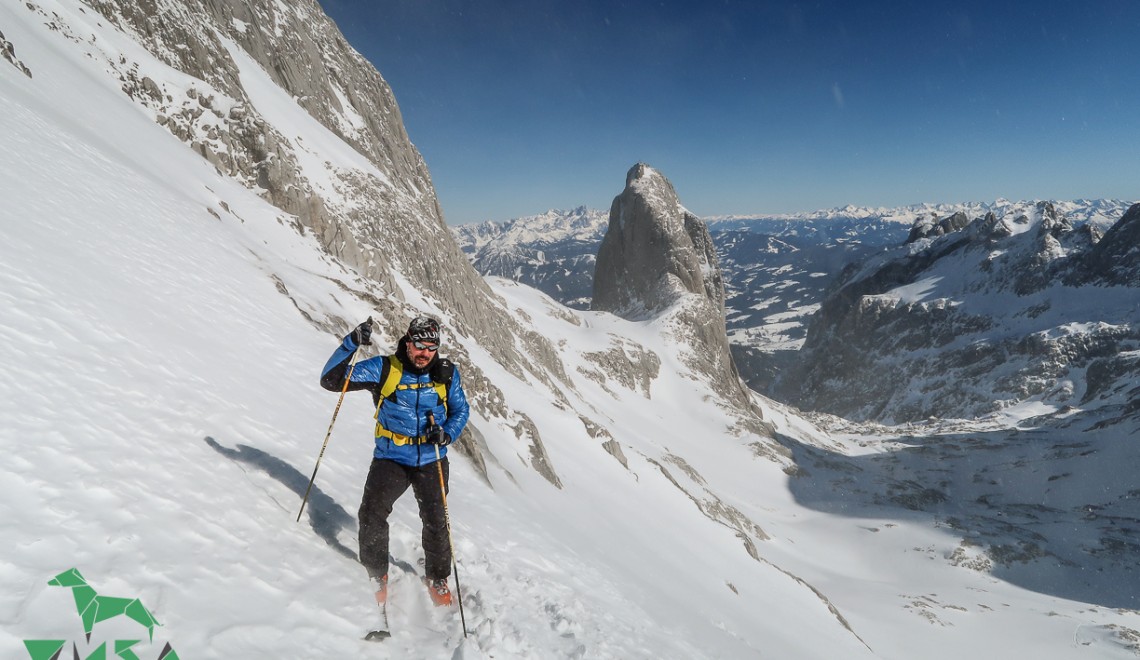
(326, 517)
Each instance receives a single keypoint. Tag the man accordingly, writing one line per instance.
(421, 408)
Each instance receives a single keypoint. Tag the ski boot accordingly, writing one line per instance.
(439, 592)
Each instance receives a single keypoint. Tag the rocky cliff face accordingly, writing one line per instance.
(932, 227)
(658, 260)
(654, 251)
(1116, 258)
(964, 321)
(273, 96)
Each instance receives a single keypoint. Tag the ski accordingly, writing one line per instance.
(380, 634)
(384, 632)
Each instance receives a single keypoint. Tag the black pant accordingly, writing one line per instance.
(387, 481)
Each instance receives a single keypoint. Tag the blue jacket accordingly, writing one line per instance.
(401, 420)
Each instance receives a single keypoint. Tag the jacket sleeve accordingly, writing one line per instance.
(366, 375)
(457, 409)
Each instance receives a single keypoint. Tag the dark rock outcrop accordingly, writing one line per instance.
(9, 53)
(658, 260)
(962, 324)
(932, 227)
(654, 251)
(1115, 260)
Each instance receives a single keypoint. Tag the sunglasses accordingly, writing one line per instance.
(426, 347)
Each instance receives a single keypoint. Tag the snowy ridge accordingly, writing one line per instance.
(554, 251)
(777, 268)
(163, 327)
(580, 224)
(1080, 211)
(966, 323)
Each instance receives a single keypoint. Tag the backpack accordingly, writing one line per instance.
(441, 374)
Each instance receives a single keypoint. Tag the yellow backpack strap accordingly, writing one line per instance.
(392, 380)
(441, 375)
(441, 392)
(392, 376)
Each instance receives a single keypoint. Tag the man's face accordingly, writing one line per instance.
(421, 353)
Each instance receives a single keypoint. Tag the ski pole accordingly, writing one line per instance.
(447, 520)
(347, 379)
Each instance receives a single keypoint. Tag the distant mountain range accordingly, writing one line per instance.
(1080, 210)
(777, 268)
(973, 316)
(553, 252)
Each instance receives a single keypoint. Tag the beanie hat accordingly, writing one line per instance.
(424, 329)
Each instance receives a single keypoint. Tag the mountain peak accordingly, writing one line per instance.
(640, 171)
(1116, 258)
(658, 260)
(654, 251)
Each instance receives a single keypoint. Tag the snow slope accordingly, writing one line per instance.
(161, 417)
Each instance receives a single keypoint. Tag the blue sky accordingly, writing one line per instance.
(760, 107)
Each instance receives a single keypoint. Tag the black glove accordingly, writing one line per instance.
(436, 436)
(362, 335)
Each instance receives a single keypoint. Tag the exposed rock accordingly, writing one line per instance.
(9, 53)
(653, 252)
(526, 431)
(711, 505)
(472, 445)
(379, 222)
(1114, 372)
(629, 364)
(915, 334)
(932, 227)
(1116, 258)
(380, 216)
(1053, 222)
(658, 260)
(778, 269)
(613, 447)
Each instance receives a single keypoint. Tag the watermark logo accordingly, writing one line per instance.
(92, 608)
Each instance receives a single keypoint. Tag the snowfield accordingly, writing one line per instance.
(162, 415)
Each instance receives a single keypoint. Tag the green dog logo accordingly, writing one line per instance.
(93, 608)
